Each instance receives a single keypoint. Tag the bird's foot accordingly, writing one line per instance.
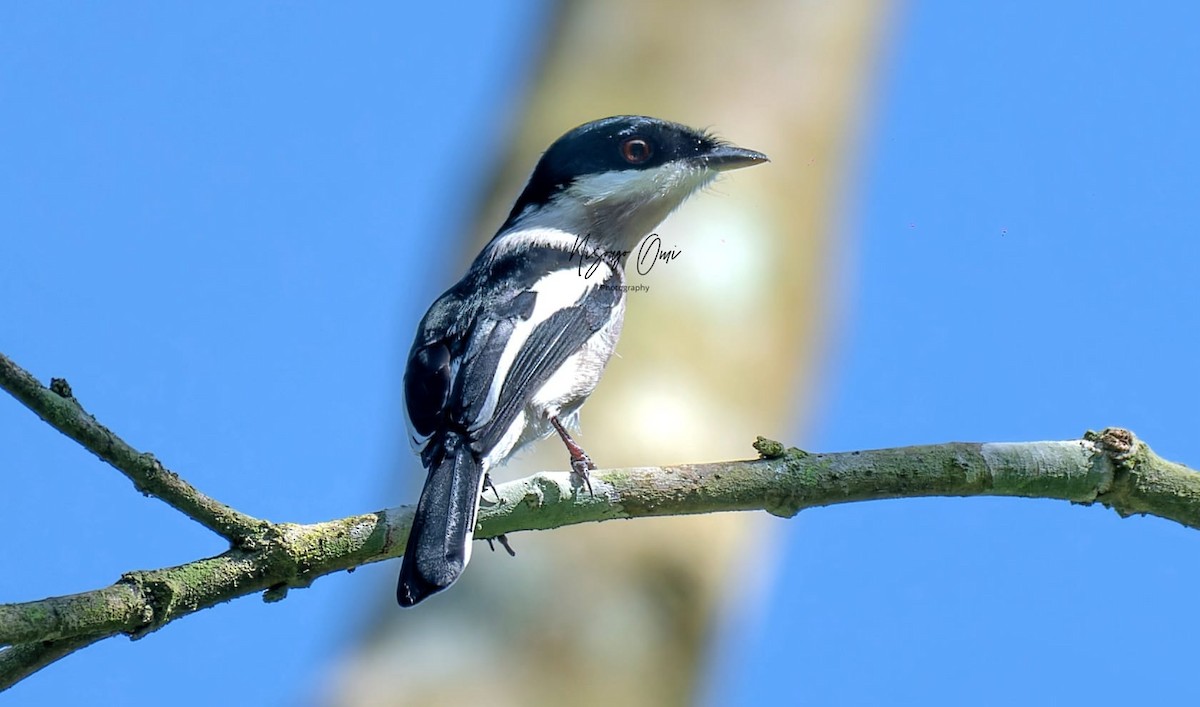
(487, 484)
(581, 463)
(580, 469)
(503, 540)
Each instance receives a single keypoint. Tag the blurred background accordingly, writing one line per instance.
(222, 224)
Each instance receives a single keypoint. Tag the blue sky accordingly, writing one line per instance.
(215, 219)
(209, 212)
(1022, 268)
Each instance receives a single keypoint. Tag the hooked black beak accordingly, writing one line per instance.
(724, 157)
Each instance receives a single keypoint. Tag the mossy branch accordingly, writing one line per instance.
(57, 406)
(1111, 467)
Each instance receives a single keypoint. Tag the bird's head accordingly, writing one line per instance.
(617, 178)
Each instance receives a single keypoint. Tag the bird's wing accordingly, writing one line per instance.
(538, 349)
(472, 373)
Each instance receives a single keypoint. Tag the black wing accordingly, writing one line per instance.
(464, 336)
(541, 354)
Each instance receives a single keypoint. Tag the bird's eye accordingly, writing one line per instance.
(635, 150)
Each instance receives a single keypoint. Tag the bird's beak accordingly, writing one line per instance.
(725, 157)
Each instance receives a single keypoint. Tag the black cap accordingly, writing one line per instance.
(624, 142)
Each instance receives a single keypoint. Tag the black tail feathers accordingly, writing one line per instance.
(439, 544)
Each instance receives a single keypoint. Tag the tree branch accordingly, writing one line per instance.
(19, 662)
(1111, 468)
(59, 408)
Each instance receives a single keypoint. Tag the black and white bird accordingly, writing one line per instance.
(509, 353)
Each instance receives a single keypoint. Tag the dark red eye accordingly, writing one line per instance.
(636, 150)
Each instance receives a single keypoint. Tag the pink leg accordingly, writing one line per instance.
(581, 464)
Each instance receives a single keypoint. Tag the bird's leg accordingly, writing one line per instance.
(581, 463)
(487, 484)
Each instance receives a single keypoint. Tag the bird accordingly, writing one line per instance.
(509, 353)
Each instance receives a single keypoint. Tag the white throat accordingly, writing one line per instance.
(617, 209)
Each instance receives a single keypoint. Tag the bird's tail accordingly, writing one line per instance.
(439, 544)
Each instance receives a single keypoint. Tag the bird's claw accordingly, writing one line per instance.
(503, 540)
(487, 484)
(580, 469)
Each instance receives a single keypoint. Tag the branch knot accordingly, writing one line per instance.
(1118, 443)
